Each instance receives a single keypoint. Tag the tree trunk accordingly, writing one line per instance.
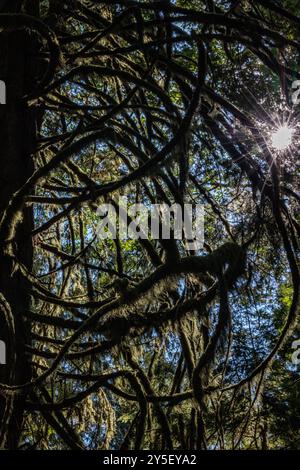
(17, 142)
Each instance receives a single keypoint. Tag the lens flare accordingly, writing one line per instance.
(281, 139)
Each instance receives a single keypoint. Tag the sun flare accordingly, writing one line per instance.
(281, 139)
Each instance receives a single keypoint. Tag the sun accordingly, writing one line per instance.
(281, 138)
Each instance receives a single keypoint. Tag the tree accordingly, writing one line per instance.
(144, 343)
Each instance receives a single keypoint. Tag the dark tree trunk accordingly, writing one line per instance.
(17, 141)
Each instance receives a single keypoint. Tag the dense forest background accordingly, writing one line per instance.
(124, 343)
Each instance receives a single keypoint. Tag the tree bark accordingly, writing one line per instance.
(17, 142)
